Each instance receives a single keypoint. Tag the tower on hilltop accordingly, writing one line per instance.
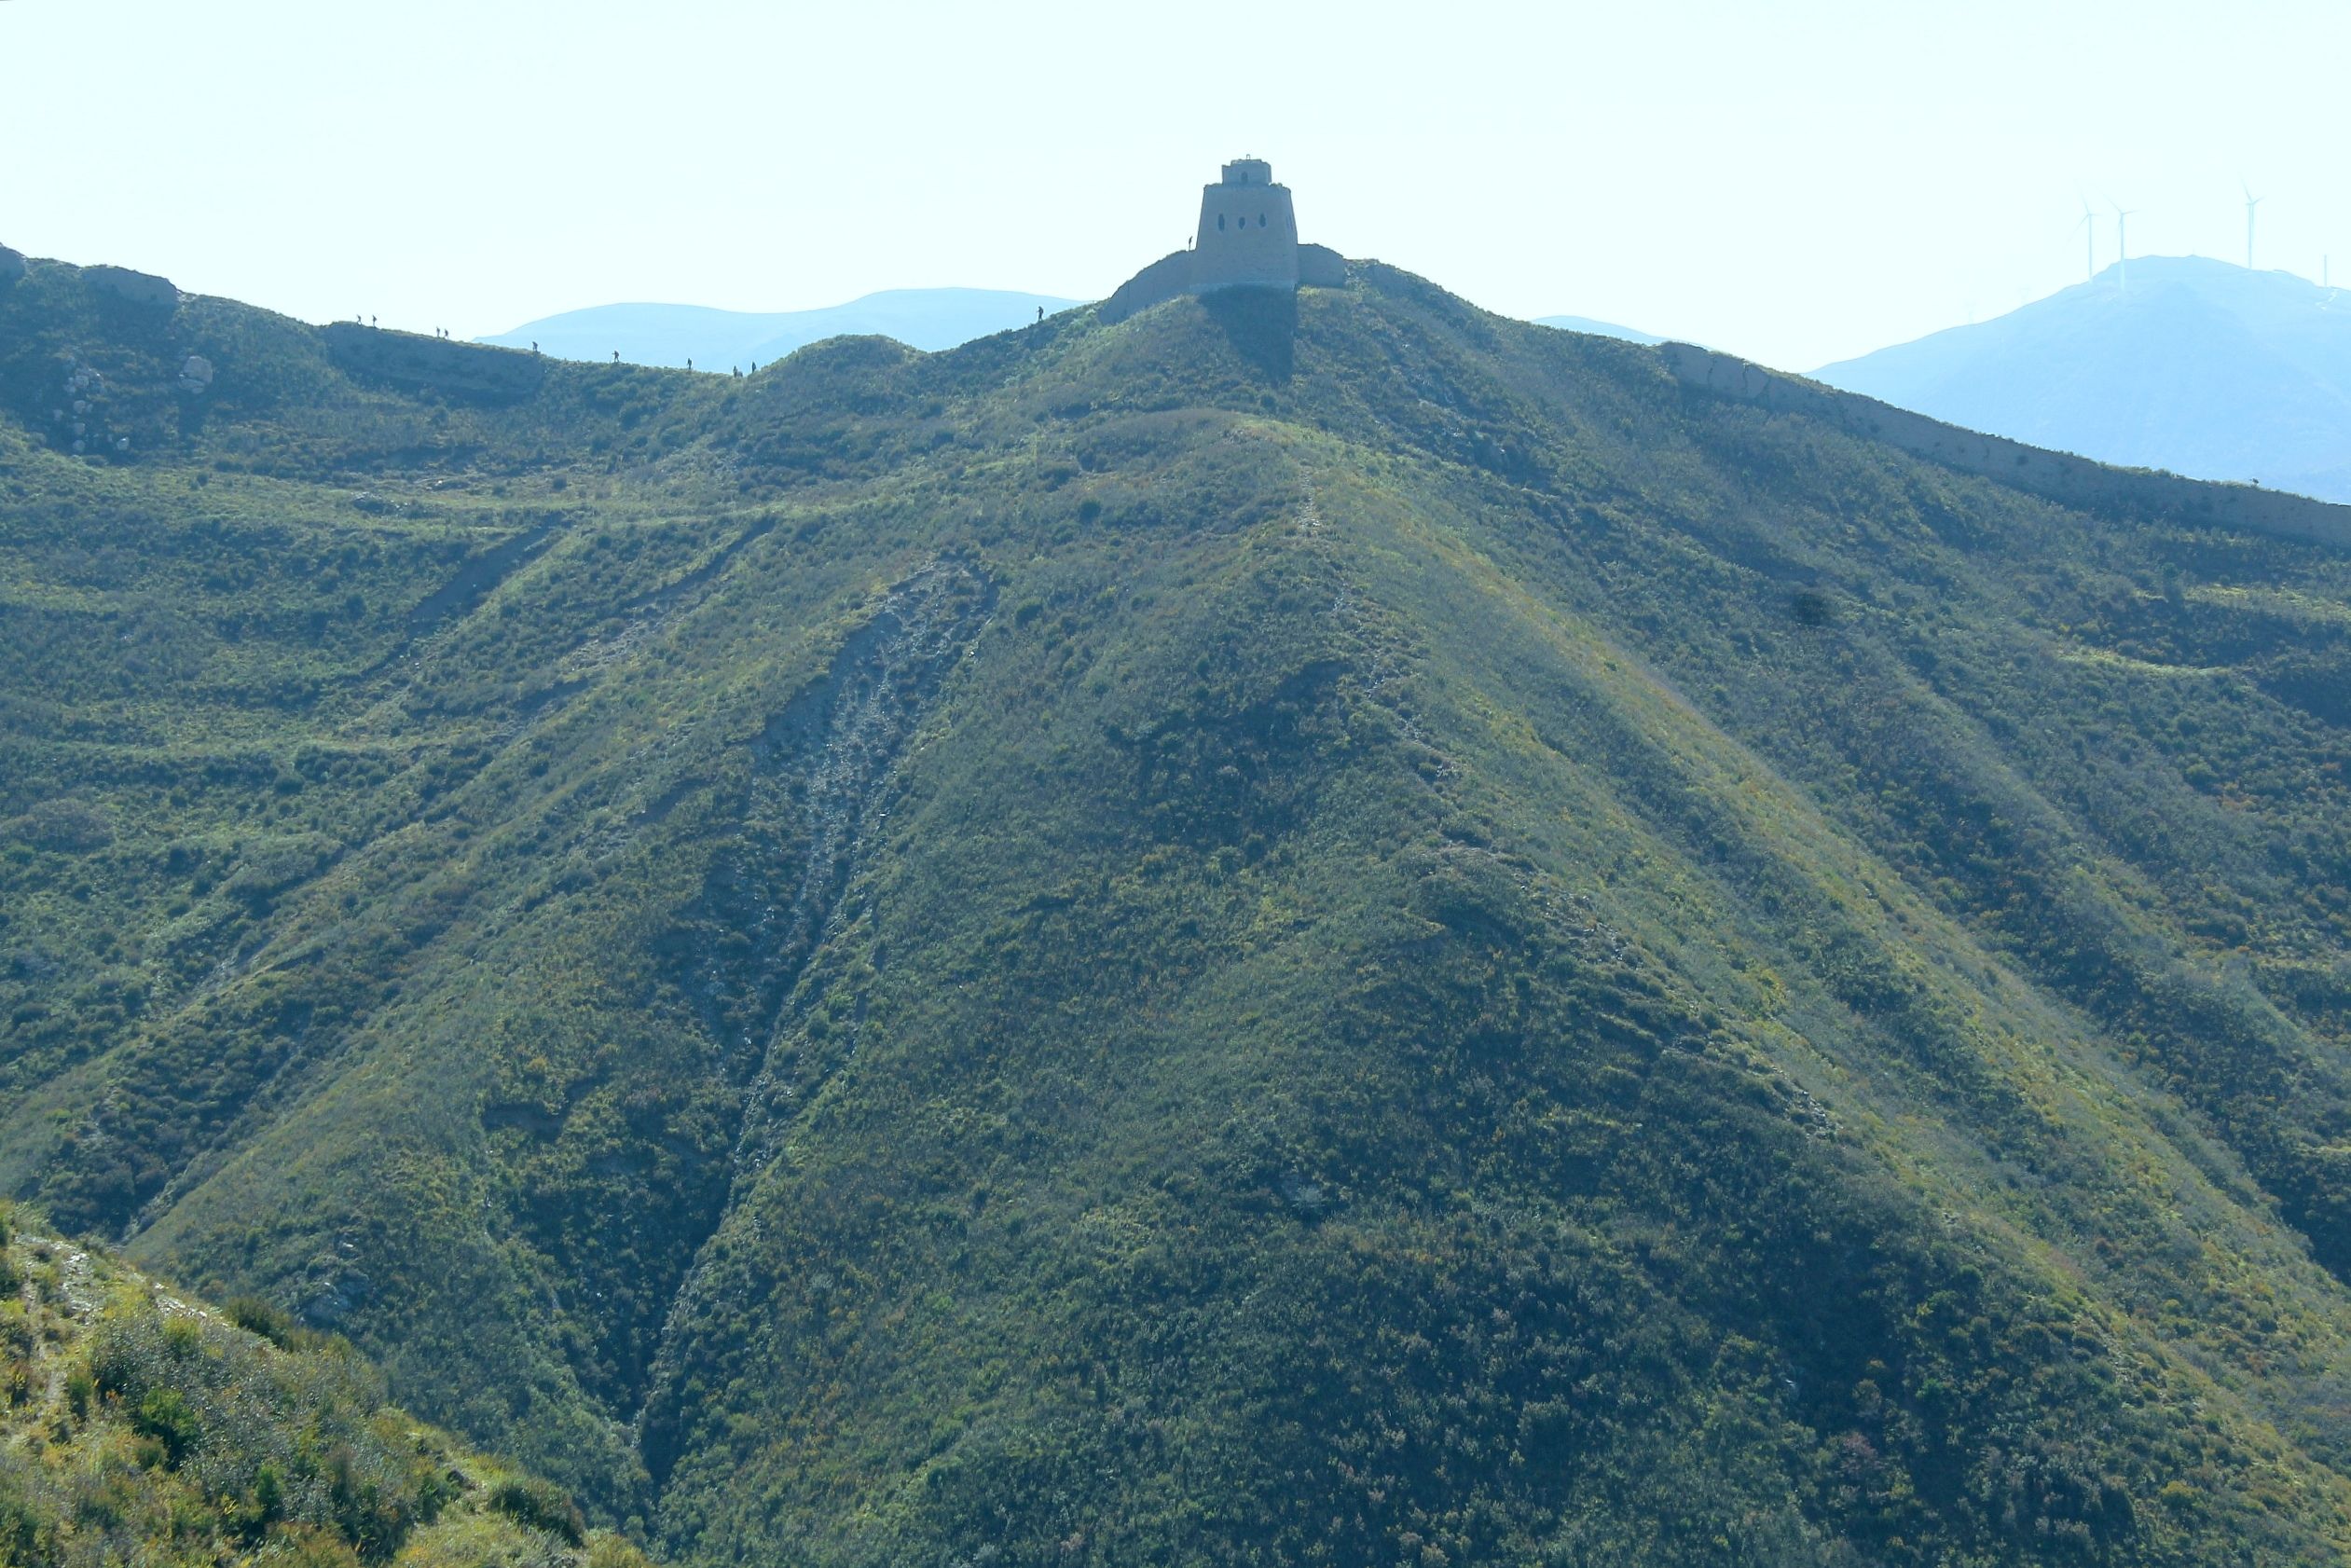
(1248, 233)
(1247, 238)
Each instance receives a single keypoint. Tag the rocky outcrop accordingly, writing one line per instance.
(2059, 476)
(471, 369)
(824, 770)
(139, 288)
(11, 266)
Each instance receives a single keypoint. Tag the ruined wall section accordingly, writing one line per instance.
(1319, 266)
(410, 359)
(2059, 476)
(1163, 280)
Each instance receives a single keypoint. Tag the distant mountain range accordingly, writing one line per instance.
(925, 318)
(673, 335)
(2198, 366)
(1598, 329)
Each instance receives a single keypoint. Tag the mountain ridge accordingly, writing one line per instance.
(2197, 365)
(1603, 329)
(1295, 926)
(2055, 476)
(675, 335)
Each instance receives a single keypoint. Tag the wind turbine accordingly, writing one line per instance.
(2251, 202)
(2122, 249)
(2089, 226)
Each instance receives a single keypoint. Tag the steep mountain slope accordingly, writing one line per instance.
(2197, 367)
(673, 335)
(1292, 931)
(139, 1427)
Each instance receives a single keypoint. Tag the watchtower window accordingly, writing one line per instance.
(1220, 222)
(1260, 220)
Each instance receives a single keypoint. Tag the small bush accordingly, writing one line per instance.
(164, 1416)
(539, 1506)
(257, 1316)
(615, 1551)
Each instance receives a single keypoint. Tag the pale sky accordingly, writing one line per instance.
(1793, 182)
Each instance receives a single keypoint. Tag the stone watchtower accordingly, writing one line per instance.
(1248, 234)
(1247, 238)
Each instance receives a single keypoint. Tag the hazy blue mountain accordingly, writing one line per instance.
(1599, 329)
(2198, 366)
(671, 334)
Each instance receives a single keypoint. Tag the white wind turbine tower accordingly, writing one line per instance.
(2089, 226)
(2251, 202)
(2122, 247)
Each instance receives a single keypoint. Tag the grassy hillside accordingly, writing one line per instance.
(1290, 931)
(137, 1426)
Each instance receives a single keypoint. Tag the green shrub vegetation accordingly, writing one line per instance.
(1332, 930)
(137, 1427)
